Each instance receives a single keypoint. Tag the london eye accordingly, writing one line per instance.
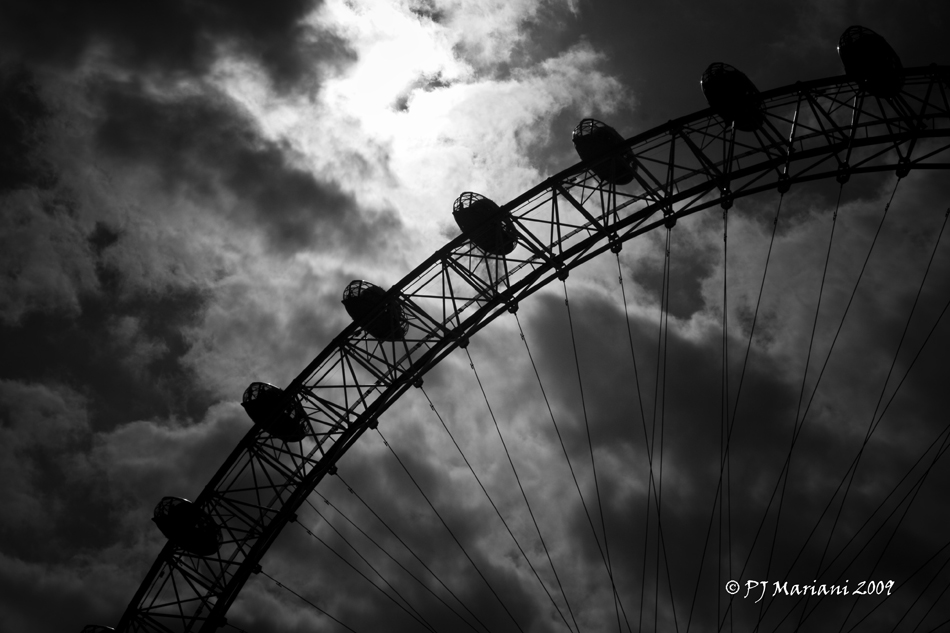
(557, 258)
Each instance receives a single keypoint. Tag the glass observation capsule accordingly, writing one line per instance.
(361, 299)
(187, 526)
(484, 223)
(869, 60)
(261, 401)
(592, 139)
(732, 96)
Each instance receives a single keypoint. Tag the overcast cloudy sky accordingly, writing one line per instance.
(186, 187)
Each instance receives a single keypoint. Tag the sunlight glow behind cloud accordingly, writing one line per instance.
(415, 120)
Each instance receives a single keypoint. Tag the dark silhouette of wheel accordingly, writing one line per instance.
(878, 119)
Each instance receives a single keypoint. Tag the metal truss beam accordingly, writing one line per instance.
(820, 129)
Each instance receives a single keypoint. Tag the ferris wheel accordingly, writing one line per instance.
(668, 560)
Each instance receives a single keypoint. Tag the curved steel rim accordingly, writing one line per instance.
(821, 144)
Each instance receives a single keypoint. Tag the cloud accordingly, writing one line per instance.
(37, 421)
(46, 262)
(23, 118)
(87, 594)
(202, 148)
(415, 122)
(174, 38)
(78, 502)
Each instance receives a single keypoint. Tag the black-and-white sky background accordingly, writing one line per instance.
(186, 187)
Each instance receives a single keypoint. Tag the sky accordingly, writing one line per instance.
(186, 189)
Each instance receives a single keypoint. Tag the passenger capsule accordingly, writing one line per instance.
(592, 139)
(362, 299)
(187, 526)
(261, 401)
(732, 96)
(869, 60)
(484, 223)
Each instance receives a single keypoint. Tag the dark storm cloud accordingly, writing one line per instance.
(170, 37)
(40, 426)
(23, 119)
(77, 503)
(124, 352)
(202, 147)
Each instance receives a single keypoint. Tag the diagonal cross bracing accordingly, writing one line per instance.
(458, 290)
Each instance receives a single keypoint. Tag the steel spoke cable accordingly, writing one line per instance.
(659, 495)
(900, 521)
(919, 569)
(909, 496)
(590, 446)
(880, 507)
(916, 490)
(567, 457)
(661, 406)
(786, 469)
(914, 604)
(850, 300)
(723, 494)
(872, 425)
(651, 485)
(421, 619)
(732, 421)
(799, 421)
(449, 530)
(367, 578)
(884, 411)
(656, 482)
(651, 442)
(524, 496)
(782, 480)
(633, 356)
(353, 491)
(935, 602)
(827, 357)
(850, 475)
(940, 626)
(286, 588)
(498, 512)
(391, 557)
(724, 411)
(920, 349)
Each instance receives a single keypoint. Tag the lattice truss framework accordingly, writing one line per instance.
(821, 129)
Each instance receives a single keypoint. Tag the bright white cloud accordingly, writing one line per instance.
(415, 120)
